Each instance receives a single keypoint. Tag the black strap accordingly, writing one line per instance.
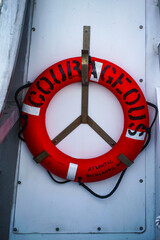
(103, 196)
(57, 180)
(148, 130)
(22, 116)
(156, 113)
(17, 94)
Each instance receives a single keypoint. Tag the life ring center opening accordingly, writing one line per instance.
(103, 107)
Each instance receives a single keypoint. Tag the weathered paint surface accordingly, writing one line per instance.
(11, 18)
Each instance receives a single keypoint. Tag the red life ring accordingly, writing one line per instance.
(121, 84)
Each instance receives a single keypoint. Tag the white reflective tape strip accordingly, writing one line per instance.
(98, 68)
(137, 136)
(31, 110)
(72, 171)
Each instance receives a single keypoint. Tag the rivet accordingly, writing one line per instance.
(141, 228)
(57, 229)
(15, 229)
(141, 27)
(19, 182)
(33, 29)
(141, 180)
(141, 80)
(99, 228)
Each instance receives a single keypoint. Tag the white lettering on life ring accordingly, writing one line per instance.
(136, 136)
(72, 171)
(98, 68)
(31, 110)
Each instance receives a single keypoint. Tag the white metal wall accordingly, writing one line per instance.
(119, 33)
